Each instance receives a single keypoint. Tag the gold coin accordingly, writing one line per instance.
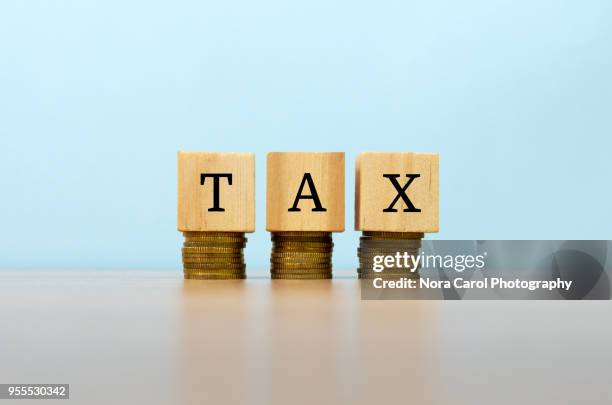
(301, 276)
(312, 243)
(231, 245)
(214, 253)
(306, 241)
(221, 243)
(189, 276)
(228, 267)
(215, 269)
(297, 258)
(393, 235)
(409, 244)
(301, 233)
(283, 261)
(301, 262)
(215, 239)
(214, 234)
(301, 238)
(317, 241)
(301, 250)
(217, 262)
(300, 265)
(302, 254)
(289, 265)
(325, 252)
(208, 265)
(213, 265)
(218, 274)
(302, 246)
(300, 271)
(214, 273)
(197, 234)
(198, 260)
(208, 250)
(389, 239)
(215, 257)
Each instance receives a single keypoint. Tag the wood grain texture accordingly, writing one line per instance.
(374, 193)
(285, 173)
(195, 199)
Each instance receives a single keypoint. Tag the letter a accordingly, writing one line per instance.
(312, 196)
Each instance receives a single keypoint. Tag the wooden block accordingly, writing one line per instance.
(305, 192)
(216, 191)
(397, 192)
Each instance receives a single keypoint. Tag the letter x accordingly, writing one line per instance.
(401, 192)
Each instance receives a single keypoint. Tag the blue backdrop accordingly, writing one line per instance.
(96, 97)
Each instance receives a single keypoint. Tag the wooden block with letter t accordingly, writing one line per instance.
(305, 192)
(397, 192)
(216, 192)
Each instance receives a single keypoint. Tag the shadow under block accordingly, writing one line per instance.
(414, 173)
(231, 176)
(314, 174)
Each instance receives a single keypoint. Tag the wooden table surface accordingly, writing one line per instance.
(151, 337)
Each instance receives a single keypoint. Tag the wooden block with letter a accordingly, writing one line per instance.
(216, 192)
(305, 192)
(397, 192)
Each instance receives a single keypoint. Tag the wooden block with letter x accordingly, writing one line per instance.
(216, 192)
(305, 192)
(397, 192)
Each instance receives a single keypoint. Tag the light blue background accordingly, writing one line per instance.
(97, 97)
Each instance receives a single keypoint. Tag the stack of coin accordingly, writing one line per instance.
(373, 244)
(301, 255)
(214, 255)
